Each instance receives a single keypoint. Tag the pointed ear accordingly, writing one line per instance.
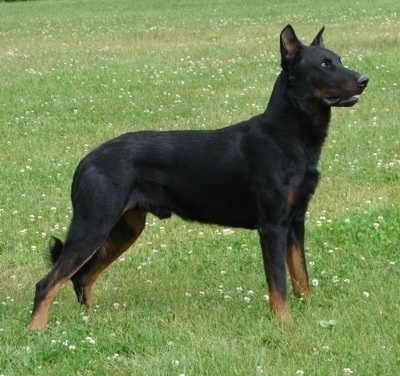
(290, 45)
(318, 41)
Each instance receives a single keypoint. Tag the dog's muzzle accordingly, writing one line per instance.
(335, 101)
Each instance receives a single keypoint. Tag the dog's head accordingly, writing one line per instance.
(316, 73)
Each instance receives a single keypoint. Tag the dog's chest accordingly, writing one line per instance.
(301, 192)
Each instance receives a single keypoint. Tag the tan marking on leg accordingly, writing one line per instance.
(40, 313)
(278, 304)
(297, 273)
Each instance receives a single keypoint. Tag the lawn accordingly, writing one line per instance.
(190, 299)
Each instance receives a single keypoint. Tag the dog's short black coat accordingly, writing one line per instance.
(258, 174)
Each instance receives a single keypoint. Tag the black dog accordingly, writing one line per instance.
(258, 174)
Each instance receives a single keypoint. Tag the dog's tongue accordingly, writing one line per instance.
(349, 101)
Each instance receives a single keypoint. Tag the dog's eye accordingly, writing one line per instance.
(326, 62)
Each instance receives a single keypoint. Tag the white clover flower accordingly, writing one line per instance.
(90, 340)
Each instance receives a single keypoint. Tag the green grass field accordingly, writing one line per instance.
(189, 299)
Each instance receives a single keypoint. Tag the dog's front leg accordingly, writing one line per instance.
(295, 259)
(273, 244)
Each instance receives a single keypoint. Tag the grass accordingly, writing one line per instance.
(190, 299)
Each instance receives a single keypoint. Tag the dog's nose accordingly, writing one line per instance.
(363, 80)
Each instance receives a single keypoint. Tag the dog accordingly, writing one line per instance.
(259, 174)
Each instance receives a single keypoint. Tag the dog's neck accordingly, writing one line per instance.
(284, 110)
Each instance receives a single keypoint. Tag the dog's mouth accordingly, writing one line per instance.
(333, 101)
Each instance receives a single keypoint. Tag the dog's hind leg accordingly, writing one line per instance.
(86, 236)
(295, 260)
(122, 236)
(73, 256)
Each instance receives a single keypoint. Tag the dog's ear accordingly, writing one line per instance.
(318, 41)
(290, 45)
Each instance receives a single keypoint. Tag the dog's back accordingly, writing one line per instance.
(206, 176)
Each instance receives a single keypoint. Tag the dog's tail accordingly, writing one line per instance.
(55, 250)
